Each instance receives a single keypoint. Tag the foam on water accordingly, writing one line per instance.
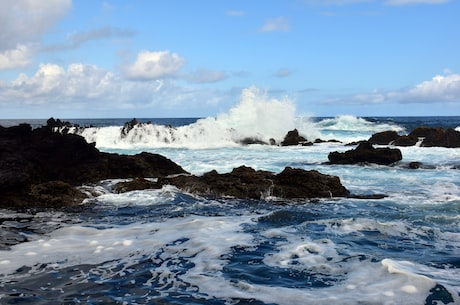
(256, 116)
(206, 245)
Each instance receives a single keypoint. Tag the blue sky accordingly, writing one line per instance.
(89, 58)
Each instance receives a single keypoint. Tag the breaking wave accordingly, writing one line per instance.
(256, 118)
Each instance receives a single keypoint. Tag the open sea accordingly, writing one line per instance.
(170, 247)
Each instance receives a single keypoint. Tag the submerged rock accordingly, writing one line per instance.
(246, 183)
(29, 158)
(366, 153)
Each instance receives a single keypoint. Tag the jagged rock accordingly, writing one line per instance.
(55, 194)
(134, 185)
(405, 141)
(429, 137)
(384, 137)
(366, 153)
(293, 138)
(437, 137)
(246, 183)
(32, 157)
(128, 126)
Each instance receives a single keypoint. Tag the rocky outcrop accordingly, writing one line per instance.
(31, 159)
(383, 138)
(246, 183)
(427, 136)
(366, 153)
(293, 138)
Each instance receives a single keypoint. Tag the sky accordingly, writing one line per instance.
(193, 58)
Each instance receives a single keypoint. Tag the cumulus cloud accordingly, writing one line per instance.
(439, 89)
(52, 82)
(153, 65)
(15, 58)
(280, 24)
(54, 89)
(22, 23)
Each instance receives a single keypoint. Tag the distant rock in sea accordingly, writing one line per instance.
(426, 136)
(366, 153)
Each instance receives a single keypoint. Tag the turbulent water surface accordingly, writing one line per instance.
(170, 247)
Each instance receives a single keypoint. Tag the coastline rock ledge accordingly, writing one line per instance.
(40, 168)
(247, 183)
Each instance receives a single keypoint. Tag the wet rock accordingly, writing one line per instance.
(437, 137)
(405, 141)
(384, 138)
(415, 165)
(29, 158)
(249, 141)
(55, 194)
(293, 138)
(428, 136)
(246, 183)
(135, 184)
(366, 153)
(128, 126)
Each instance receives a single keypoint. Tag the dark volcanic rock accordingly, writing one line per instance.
(246, 183)
(33, 157)
(437, 137)
(429, 137)
(135, 184)
(384, 138)
(293, 138)
(405, 141)
(366, 153)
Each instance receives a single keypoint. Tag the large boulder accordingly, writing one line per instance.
(366, 153)
(384, 137)
(246, 183)
(29, 158)
(293, 138)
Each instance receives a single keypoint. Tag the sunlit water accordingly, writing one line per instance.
(169, 247)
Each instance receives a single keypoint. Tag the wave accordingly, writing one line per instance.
(256, 118)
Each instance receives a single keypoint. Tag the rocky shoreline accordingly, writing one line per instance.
(44, 167)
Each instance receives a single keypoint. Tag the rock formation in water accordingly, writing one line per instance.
(366, 153)
(37, 165)
(427, 136)
(247, 183)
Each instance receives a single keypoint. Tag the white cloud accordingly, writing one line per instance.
(280, 24)
(52, 83)
(81, 89)
(14, 58)
(153, 65)
(22, 24)
(440, 89)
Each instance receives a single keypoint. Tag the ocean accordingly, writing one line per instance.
(166, 246)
